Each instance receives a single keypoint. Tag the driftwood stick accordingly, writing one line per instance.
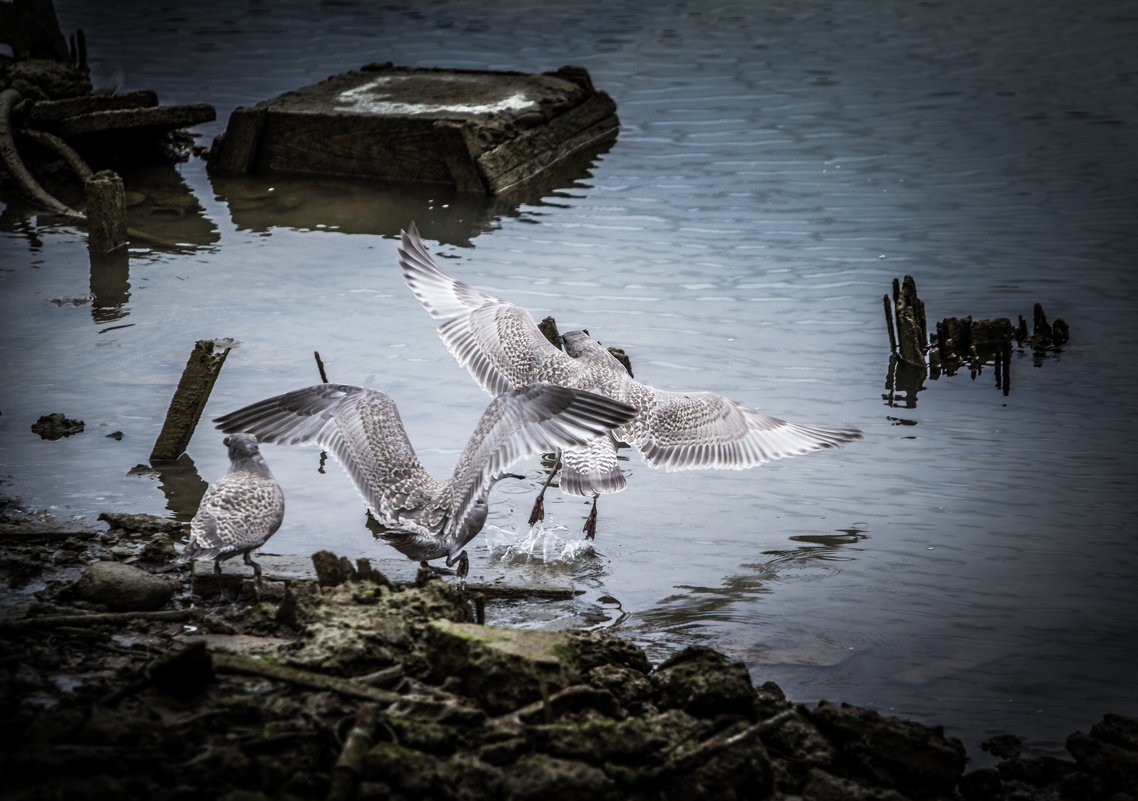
(721, 742)
(14, 534)
(53, 621)
(233, 663)
(190, 398)
(350, 765)
(320, 367)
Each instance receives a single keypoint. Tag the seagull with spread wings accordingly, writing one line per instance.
(502, 347)
(427, 518)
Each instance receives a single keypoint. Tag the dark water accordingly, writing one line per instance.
(969, 563)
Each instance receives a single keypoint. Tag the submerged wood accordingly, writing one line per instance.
(94, 619)
(106, 212)
(190, 398)
(912, 330)
(958, 341)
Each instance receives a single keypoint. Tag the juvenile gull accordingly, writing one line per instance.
(238, 512)
(501, 346)
(426, 518)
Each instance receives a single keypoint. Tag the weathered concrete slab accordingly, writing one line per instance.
(494, 581)
(480, 131)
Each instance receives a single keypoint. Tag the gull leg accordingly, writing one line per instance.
(463, 564)
(590, 528)
(256, 573)
(220, 587)
(538, 511)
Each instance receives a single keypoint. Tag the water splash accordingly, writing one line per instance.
(541, 544)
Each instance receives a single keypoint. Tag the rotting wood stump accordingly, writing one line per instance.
(479, 131)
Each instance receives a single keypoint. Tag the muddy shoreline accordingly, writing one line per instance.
(118, 682)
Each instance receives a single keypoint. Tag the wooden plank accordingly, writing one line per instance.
(135, 118)
(53, 110)
(190, 398)
(493, 580)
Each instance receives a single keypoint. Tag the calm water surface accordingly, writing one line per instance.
(969, 563)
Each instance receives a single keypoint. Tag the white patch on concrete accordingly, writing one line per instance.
(376, 97)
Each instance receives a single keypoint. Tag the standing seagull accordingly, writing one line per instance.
(426, 518)
(238, 512)
(502, 347)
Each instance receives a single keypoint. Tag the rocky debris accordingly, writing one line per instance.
(358, 687)
(56, 426)
(915, 760)
(1109, 752)
(122, 587)
(141, 524)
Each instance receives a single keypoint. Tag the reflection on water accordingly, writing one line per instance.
(180, 483)
(696, 606)
(110, 285)
(322, 203)
(161, 205)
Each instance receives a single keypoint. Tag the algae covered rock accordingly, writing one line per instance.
(631, 688)
(502, 669)
(916, 760)
(540, 777)
(705, 683)
(361, 626)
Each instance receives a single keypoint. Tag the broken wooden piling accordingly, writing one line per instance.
(958, 341)
(912, 330)
(190, 398)
(106, 212)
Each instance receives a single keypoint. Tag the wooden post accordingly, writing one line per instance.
(889, 324)
(912, 331)
(106, 212)
(190, 398)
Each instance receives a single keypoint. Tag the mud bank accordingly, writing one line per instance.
(117, 683)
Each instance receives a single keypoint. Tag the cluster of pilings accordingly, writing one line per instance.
(959, 341)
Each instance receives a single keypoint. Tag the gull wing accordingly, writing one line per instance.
(498, 342)
(533, 419)
(361, 427)
(695, 430)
